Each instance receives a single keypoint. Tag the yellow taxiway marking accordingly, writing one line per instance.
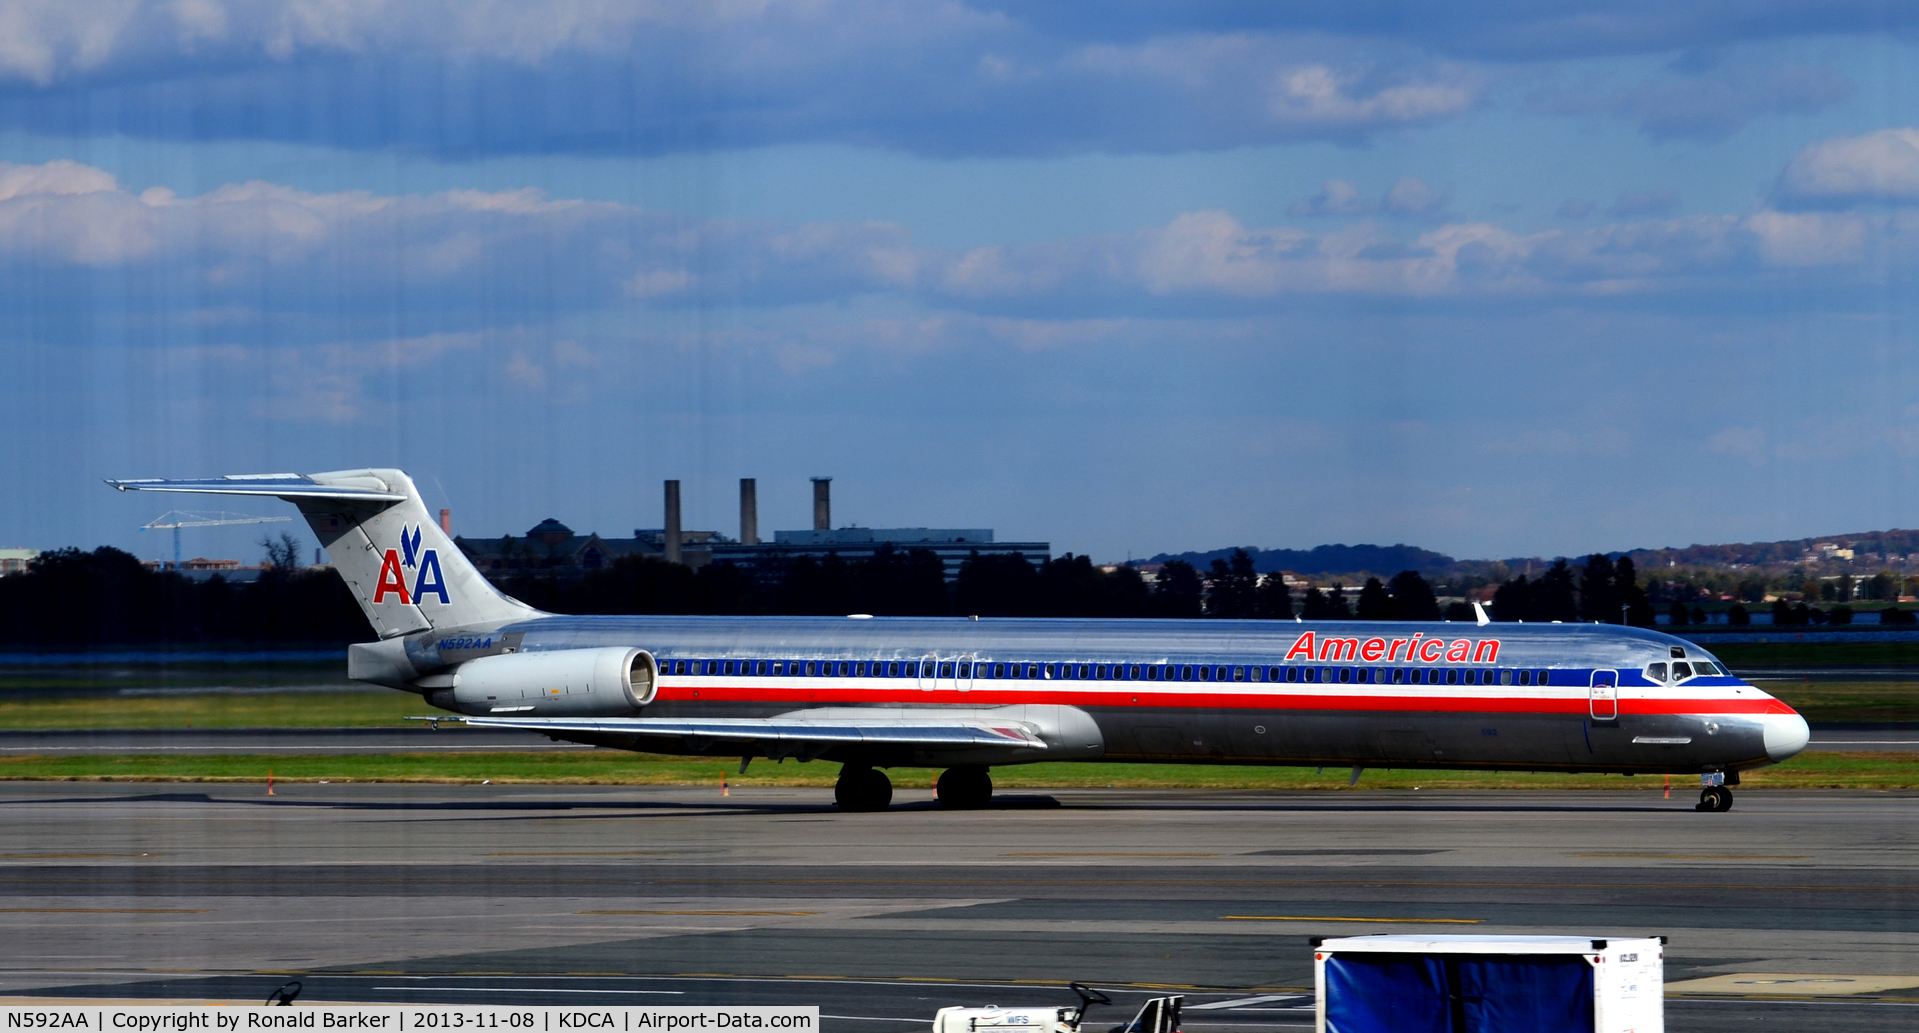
(586, 853)
(104, 910)
(802, 914)
(1790, 984)
(1331, 918)
(1105, 855)
(1711, 857)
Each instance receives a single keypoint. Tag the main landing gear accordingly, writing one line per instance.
(965, 788)
(862, 789)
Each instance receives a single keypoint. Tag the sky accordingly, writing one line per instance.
(1496, 279)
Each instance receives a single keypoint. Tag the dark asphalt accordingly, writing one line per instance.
(615, 895)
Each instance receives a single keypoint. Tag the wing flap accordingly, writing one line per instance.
(782, 730)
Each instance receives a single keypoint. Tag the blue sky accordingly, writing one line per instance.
(1496, 279)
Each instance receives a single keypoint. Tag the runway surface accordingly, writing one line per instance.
(458, 739)
(664, 895)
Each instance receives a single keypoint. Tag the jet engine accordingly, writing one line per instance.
(614, 681)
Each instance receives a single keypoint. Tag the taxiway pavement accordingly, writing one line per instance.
(556, 894)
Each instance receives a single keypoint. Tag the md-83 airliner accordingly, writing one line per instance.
(966, 695)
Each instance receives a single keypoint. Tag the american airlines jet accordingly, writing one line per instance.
(970, 694)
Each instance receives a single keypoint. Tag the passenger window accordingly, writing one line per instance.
(945, 670)
(1186, 673)
(999, 671)
(1681, 671)
(1133, 672)
(1505, 677)
(965, 670)
(1544, 678)
(1452, 676)
(1657, 672)
(1525, 677)
(1239, 674)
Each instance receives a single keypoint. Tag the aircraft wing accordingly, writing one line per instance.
(789, 730)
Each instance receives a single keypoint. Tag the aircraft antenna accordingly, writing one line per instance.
(175, 519)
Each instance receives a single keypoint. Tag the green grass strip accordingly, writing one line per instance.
(1817, 770)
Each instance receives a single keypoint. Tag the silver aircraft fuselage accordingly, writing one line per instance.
(1537, 697)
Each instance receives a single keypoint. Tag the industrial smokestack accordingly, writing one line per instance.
(446, 522)
(672, 521)
(749, 511)
(822, 503)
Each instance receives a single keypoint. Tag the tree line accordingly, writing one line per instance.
(69, 597)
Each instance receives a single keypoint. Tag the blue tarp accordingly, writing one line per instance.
(1458, 993)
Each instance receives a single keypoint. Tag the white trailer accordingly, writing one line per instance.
(1489, 984)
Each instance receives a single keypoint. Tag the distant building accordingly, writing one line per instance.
(15, 561)
(552, 548)
(201, 568)
(953, 546)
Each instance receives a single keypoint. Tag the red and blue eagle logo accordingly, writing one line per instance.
(425, 563)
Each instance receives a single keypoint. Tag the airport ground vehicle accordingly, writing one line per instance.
(1156, 1015)
(968, 695)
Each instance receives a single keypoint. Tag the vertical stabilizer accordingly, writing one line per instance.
(403, 569)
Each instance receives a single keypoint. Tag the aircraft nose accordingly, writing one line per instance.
(1785, 735)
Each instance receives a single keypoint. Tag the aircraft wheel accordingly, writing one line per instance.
(1714, 798)
(862, 789)
(965, 788)
(1725, 798)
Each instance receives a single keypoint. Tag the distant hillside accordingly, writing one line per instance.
(1896, 549)
(1327, 559)
(1871, 551)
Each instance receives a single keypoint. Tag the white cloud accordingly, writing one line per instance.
(930, 76)
(1337, 197)
(1748, 443)
(1880, 167)
(55, 177)
(1411, 196)
(1318, 94)
(462, 254)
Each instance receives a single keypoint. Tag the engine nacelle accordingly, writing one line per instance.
(614, 681)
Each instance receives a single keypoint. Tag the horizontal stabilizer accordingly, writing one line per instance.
(272, 485)
(780, 729)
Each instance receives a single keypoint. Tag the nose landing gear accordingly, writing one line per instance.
(862, 789)
(1714, 798)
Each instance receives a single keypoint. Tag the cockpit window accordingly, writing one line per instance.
(1657, 672)
(1681, 671)
(1706, 667)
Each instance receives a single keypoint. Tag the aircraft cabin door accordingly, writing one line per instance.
(1603, 701)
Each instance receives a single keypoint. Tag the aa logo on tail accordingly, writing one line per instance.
(425, 563)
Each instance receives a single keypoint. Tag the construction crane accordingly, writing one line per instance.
(174, 520)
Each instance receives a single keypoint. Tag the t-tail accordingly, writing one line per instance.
(404, 571)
